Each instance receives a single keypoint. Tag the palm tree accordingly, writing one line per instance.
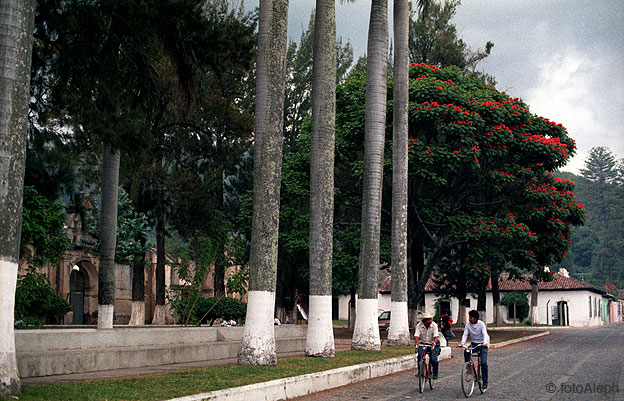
(320, 336)
(399, 328)
(108, 236)
(16, 28)
(258, 342)
(366, 332)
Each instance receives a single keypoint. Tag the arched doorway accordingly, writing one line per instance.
(77, 285)
(560, 314)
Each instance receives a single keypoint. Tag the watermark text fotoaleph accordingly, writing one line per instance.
(583, 388)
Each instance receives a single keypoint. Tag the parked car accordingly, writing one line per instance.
(384, 319)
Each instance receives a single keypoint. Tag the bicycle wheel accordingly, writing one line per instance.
(467, 379)
(432, 382)
(421, 376)
(430, 373)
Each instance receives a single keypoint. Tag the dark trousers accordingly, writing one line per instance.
(435, 352)
(483, 351)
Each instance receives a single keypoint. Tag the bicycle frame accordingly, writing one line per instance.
(426, 371)
(427, 351)
(474, 374)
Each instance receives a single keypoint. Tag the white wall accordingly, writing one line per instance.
(578, 306)
(383, 300)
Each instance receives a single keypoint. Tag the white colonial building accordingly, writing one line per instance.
(563, 301)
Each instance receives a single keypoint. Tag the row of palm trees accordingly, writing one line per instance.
(258, 344)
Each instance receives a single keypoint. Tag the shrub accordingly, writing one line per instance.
(522, 304)
(36, 302)
(208, 310)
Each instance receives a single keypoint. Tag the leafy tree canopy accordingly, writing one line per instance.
(43, 227)
(133, 230)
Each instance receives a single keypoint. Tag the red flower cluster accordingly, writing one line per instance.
(432, 67)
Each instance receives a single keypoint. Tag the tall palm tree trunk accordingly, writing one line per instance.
(258, 342)
(137, 317)
(108, 236)
(160, 311)
(399, 328)
(16, 27)
(366, 332)
(320, 336)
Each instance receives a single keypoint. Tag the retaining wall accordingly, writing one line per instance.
(64, 351)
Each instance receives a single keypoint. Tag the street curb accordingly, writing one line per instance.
(517, 340)
(297, 386)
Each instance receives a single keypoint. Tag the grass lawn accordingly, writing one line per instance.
(177, 384)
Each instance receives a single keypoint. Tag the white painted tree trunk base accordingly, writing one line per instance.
(9, 376)
(258, 342)
(461, 316)
(320, 337)
(105, 316)
(398, 334)
(366, 331)
(498, 315)
(137, 317)
(534, 315)
(160, 316)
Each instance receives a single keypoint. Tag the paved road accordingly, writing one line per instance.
(568, 364)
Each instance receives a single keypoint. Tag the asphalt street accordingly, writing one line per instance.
(568, 364)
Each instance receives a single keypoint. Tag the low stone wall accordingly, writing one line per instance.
(65, 351)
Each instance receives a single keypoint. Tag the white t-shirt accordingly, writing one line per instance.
(478, 333)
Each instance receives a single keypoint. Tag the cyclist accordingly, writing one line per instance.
(427, 332)
(478, 335)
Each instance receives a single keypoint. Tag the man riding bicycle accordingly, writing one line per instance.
(427, 332)
(478, 335)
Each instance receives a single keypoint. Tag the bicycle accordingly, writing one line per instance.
(425, 368)
(471, 374)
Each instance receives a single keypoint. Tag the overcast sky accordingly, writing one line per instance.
(564, 58)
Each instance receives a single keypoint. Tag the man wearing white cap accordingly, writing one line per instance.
(427, 332)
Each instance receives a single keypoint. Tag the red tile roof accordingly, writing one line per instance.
(386, 286)
(559, 283)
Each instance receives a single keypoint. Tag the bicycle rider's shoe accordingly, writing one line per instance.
(435, 377)
(484, 387)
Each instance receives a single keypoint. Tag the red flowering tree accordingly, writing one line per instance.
(482, 191)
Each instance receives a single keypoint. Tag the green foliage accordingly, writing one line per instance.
(434, 40)
(595, 254)
(193, 309)
(210, 309)
(194, 263)
(132, 230)
(298, 101)
(50, 160)
(36, 302)
(43, 227)
(600, 166)
(522, 304)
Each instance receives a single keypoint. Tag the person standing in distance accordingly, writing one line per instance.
(478, 335)
(427, 332)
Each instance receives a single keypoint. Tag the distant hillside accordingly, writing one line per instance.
(596, 255)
